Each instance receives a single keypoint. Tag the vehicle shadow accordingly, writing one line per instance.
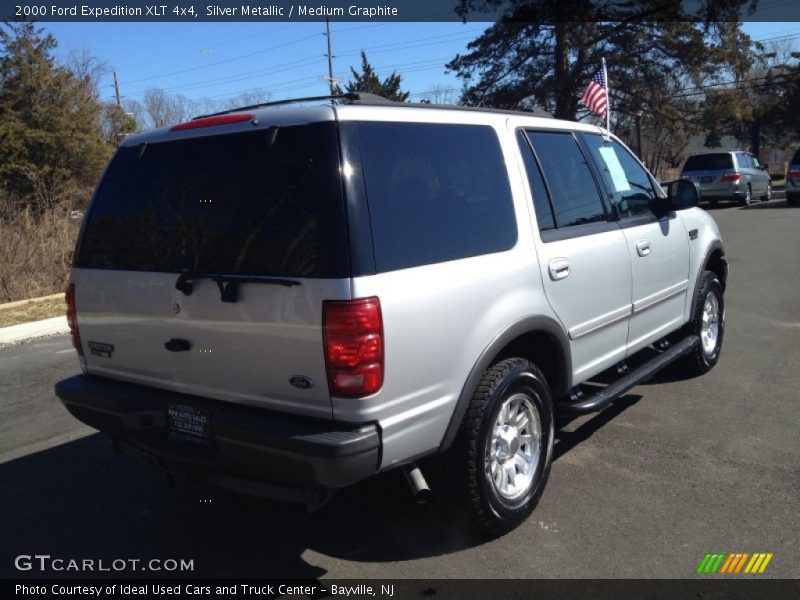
(768, 205)
(78, 500)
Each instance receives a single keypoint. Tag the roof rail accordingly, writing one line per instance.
(349, 97)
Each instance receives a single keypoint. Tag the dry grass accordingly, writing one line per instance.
(35, 251)
(34, 310)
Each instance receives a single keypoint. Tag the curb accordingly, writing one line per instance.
(35, 329)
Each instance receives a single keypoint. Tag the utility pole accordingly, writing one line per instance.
(116, 89)
(331, 80)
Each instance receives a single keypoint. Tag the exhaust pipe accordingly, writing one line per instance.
(416, 481)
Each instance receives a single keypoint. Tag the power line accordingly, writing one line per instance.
(226, 61)
(392, 47)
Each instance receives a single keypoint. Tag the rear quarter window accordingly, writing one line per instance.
(436, 192)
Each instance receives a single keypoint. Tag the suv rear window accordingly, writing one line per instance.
(709, 162)
(796, 159)
(436, 192)
(267, 202)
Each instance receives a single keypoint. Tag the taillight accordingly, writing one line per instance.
(732, 177)
(793, 175)
(72, 318)
(212, 121)
(353, 336)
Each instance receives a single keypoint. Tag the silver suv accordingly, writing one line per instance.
(286, 301)
(737, 176)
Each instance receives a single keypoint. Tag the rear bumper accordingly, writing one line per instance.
(250, 449)
(726, 194)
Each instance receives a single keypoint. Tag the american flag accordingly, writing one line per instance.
(595, 95)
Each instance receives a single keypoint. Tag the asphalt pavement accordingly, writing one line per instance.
(677, 468)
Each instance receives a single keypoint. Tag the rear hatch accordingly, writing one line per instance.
(250, 225)
(707, 170)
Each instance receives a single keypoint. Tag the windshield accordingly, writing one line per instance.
(267, 202)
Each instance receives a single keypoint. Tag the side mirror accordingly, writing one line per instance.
(765, 167)
(683, 194)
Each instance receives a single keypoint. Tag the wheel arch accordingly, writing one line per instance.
(539, 339)
(714, 261)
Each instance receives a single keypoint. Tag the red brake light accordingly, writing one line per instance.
(793, 175)
(72, 318)
(353, 336)
(212, 121)
(732, 177)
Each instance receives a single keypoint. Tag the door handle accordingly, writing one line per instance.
(643, 247)
(559, 268)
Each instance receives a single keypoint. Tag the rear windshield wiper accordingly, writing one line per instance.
(228, 284)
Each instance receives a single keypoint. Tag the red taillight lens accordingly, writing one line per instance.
(212, 121)
(72, 318)
(732, 177)
(793, 175)
(353, 336)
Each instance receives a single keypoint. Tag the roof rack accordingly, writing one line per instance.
(349, 97)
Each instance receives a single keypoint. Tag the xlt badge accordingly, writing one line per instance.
(99, 349)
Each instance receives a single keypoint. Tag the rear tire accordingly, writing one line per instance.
(708, 324)
(792, 200)
(496, 470)
(748, 197)
(768, 196)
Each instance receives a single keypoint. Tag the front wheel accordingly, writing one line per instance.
(495, 472)
(708, 324)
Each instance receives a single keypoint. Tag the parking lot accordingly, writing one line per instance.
(675, 469)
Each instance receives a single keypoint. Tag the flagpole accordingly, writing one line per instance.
(608, 100)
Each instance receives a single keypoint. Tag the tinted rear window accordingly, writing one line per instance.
(796, 159)
(709, 162)
(435, 192)
(257, 203)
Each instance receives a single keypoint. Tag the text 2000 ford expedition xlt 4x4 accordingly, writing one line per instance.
(288, 300)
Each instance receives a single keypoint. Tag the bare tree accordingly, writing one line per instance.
(441, 94)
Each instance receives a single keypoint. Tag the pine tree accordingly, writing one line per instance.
(50, 132)
(368, 81)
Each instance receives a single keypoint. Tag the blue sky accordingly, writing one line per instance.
(217, 60)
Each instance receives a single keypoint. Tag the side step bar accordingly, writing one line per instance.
(607, 395)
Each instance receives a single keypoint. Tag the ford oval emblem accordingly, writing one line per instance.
(302, 382)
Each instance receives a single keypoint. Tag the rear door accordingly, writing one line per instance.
(658, 247)
(583, 256)
(255, 223)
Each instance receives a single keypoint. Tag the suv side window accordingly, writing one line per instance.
(745, 162)
(631, 187)
(756, 163)
(436, 192)
(573, 192)
(541, 199)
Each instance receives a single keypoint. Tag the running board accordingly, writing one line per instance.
(607, 395)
